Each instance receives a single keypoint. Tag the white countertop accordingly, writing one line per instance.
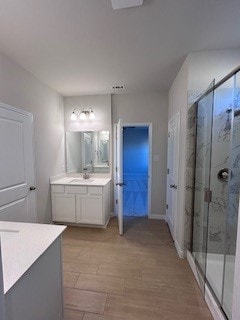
(22, 244)
(82, 182)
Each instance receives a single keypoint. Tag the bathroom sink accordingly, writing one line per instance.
(81, 180)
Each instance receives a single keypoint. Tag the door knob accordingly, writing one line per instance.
(173, 186)
(223, 174)
(32, 188)
(120, 184)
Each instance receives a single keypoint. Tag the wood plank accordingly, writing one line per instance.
(70, 279)
(82, 300)
(70, 314)
(100, 283)
(139, 278)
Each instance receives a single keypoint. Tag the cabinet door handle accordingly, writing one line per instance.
(32, 188)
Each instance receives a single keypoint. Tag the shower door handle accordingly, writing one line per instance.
(207, 195)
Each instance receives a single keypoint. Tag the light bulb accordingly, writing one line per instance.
(73, 116)
(82, 115)
(92, 115)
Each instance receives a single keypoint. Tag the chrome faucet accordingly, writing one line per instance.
(86, 173)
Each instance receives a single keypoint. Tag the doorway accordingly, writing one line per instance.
(134, 193)
(135, 171)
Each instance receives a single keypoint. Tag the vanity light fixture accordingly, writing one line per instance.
(83, 114)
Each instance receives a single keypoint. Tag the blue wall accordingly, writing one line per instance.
(135, 150)
(135, 171)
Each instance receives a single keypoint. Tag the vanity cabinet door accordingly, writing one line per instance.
(64, 208)
(92, 209)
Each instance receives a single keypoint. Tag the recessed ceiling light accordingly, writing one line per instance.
(121, 4)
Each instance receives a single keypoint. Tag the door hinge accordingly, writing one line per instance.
(116, 169)
(169, 134)
(167, 206)
(207, 195)
(116, 201)
(167, 171)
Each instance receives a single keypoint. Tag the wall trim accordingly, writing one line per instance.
(179, 250)
(191, 262)
(149, 125)
(157, 216)
(211, 303)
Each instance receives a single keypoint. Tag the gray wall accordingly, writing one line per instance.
(21, 89)
(101, 105)
(149, 107)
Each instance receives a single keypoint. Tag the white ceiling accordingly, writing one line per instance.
(84, 46)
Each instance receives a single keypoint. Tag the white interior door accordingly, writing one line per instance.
(119, 174)
(17, 170)
(172, 179)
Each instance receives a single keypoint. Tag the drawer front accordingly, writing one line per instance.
(76, 189)
(57, 189)
(95, 190)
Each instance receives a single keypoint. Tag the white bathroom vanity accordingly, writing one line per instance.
(81, 201)
(31, 271)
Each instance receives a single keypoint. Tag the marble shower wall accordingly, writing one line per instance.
(234, 183)
(223, 209)
(190, 164)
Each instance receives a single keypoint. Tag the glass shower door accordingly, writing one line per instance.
(217, 189)
(202, 183)
(233, 201)
(221, 138)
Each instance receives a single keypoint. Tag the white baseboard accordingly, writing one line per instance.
(212, 305)
(191, 262)
(179, 250)
(157, 217)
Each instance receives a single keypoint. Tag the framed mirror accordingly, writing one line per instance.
(87, 150)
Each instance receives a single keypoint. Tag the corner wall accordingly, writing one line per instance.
(21, 89)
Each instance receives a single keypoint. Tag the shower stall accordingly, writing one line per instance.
(215, 187)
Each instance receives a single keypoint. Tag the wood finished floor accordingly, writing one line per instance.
(135, 277)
